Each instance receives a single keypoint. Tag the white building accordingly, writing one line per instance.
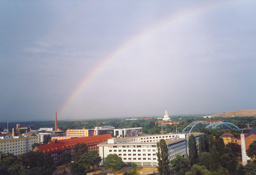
(166, 116)
(18, 145)
(128, 132)
(45, 129)
(104, 130)
(142, 150)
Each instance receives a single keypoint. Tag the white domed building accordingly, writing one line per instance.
(166, 116)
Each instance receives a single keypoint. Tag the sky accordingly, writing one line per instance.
(106, 59)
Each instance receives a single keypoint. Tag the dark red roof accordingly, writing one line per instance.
(60, 145)
(227, 134)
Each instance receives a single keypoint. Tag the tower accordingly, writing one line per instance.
(166, 116)
(55, 121)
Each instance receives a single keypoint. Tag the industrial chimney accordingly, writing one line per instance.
(55, 121)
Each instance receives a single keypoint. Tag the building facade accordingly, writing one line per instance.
(142, 150)
(56, 147)
(18, 145)
(104, 130)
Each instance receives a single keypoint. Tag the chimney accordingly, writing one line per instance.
(55, 121)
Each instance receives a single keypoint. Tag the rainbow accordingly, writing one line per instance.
(167, 22)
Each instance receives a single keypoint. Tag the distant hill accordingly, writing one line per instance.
(242, 113)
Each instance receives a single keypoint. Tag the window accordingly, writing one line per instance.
(134, 158)
(149, 158)
(124, 158)
(134, 154)
(129, 159)
(144, 158)
(114, 150)
(124, 154)
(129, 150)
(124, 150)
(144, 154)
(114, 146)
(139, 158)
(134, 150)
(139, 154)
(149, 154)
(129, 154)
(119, 150)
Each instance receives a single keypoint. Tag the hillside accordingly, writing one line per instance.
(242, 113)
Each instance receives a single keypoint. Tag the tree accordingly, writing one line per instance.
(65, 157)
(214, 161)
(89, 159)
(79, 149)
(205, 160)
(236, 149)
(133, 171)
(220, 145)
(162, 157)
(34, 145)
(193, 157)
(47, 138)
(198, 170)
(240, 170)
(37, 163)
(76, 169)
(114, 162)
(180, 165)
(251, 151)
(250, 169)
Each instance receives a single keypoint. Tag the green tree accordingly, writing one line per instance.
(114, 162)
(37, 162)
(220, 145)
(65, 157)
(205, 159)
(193, 157)
(228, 160)
(34, 145)
(47, 138)
(90, 159)
(76, 169)
(240, 170)
(222, 171)
(236, 149)
(180, 165)
(250, 169)
(198, 170)
(214, 161)
(162, 157)
(79, 149)
(251, 151)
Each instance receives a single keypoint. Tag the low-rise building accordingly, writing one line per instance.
(228, 137)
(142, 150)
(56, 147)
(18, 145)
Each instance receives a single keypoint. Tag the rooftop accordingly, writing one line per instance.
(58, 145)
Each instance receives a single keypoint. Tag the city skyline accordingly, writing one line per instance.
(108, 59)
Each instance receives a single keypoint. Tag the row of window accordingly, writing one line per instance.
(134, 150)
(136, 155)
(134, 146)
(138, 158)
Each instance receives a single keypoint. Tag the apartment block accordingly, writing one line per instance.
(18, 145)
(142, 150)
